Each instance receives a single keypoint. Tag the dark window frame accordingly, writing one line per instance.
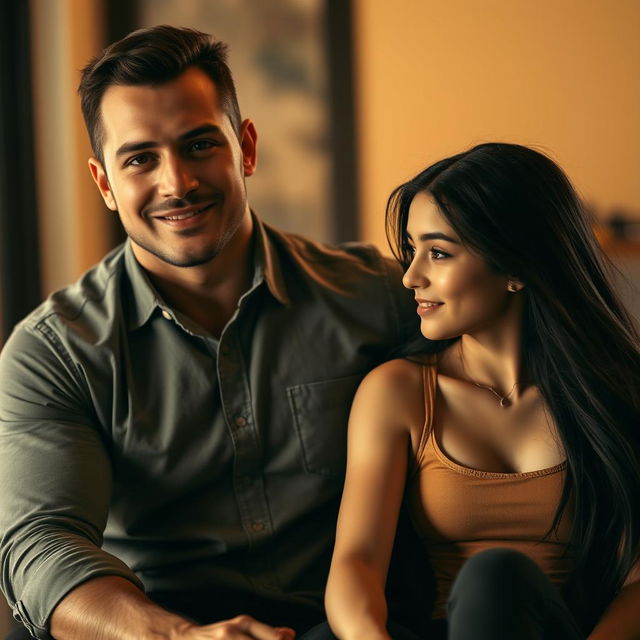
(20, 288)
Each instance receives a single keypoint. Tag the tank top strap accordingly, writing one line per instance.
(429, 384)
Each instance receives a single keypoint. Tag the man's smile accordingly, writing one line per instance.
(184, 216)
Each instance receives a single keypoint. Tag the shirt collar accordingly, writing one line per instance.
(267, 261)
(144, 299)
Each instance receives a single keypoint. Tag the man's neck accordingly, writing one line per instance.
(208, 294)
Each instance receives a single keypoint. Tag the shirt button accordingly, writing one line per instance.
(166, 314)
(257, 526)
(240, 421)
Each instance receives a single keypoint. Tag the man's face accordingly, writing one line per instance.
(174, 169)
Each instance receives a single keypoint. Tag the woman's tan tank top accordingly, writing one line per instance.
(460, 511)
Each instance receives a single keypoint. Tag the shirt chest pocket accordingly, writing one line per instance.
(320, 415)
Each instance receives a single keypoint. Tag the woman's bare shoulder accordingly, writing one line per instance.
(395, 373)
(394, 388)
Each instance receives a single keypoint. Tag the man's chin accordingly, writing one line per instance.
(148, 254)
(195, 260)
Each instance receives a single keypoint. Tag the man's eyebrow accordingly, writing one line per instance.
(198, 131)
(130, 147)
(436, 235)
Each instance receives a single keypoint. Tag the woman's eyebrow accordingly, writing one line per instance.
(434, 235)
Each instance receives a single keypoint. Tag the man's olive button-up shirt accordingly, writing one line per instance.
(133, 443)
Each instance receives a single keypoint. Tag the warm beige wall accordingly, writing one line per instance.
(74, 230)
(434, 78)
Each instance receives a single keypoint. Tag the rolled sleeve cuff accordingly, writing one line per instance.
(47, 588)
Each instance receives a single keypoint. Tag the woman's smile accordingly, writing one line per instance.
(427, 306)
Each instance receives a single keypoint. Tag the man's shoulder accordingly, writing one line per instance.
(323, 252)
(84, 306)
(356, 259)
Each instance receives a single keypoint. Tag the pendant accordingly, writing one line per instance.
(505, 403)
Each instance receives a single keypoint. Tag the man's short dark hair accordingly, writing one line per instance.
(153, 56)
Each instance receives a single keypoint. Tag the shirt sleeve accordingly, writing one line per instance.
(55, 475)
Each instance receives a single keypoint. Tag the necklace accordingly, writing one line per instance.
(505, 402)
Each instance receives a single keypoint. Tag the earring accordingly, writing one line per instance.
(512, 287)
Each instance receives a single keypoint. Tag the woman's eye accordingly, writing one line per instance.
(437, 254)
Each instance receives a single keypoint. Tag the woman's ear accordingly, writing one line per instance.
(514, 285)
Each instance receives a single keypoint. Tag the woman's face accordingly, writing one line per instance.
(456, 290)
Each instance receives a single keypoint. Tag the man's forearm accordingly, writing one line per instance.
(112, 608)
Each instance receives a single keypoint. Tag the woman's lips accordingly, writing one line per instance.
(426, 307)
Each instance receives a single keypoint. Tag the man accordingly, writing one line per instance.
(174, 423)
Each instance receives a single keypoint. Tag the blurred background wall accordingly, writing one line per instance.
(387, 88)
(434, 78)
(429, 79)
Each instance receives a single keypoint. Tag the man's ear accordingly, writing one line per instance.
(99, 176)
(248, 144)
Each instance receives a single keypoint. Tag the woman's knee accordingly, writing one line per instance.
(498, 572)
(501, 593)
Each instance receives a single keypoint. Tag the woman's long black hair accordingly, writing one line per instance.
(518, 210)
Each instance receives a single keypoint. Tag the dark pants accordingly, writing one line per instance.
(323, 632)
(499, 594)
(502, 594)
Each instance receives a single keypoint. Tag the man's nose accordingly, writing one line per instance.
(176, 178)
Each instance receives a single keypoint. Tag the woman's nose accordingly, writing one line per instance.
(413, 278)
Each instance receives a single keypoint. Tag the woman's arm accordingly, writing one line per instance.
(621, 619)
(379, 439)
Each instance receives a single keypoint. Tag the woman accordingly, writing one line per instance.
(514, 437)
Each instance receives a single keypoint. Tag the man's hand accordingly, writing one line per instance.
(239, 628)
(112, 608)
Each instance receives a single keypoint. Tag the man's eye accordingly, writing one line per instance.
(200, 145)
(139, 160)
